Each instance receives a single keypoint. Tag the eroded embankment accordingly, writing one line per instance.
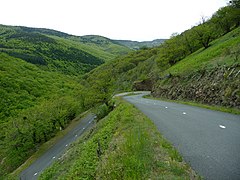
(219, 86)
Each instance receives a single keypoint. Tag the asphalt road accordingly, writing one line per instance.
(208, 140)
(33, 171)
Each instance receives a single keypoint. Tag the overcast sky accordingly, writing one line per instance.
(116, 19)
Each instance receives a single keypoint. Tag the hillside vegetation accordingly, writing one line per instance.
(39, 86)
(41, 90)
(201, 64)
(34, 105)
(56, 51)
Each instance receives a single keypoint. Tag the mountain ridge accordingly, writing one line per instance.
(140, 44)
(58, 51)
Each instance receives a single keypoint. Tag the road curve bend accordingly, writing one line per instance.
(208, 140)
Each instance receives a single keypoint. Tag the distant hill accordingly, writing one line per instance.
(138, 45)
(56, 51)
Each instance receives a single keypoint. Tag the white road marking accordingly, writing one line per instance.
(76, 135)
(89, 122)
(166, 107)
(35, 174)
(184, 113)
(54, 157)
(221, 126)
(83, 128)
(66, 145)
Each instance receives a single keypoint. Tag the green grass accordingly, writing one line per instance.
(206, 58)
(131, 148)
(216, 108)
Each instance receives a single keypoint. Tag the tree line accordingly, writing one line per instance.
(181, 45)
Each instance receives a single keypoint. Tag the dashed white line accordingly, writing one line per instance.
(166, 107)
(83, 128)
(184, 113)
(221, 126)
(66, 145)
(76, 135)
(35, 174)
(54, 157)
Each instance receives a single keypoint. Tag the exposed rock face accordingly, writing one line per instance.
(220, 86)
(144, 85)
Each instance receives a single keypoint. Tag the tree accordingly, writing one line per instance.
(204, 33)
(222, 20)
(189, 40)
(226, 18)
(235, 5)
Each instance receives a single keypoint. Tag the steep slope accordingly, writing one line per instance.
(34, 105)
(39, 89)
(57, 51)
(201, 64)
(208, 76)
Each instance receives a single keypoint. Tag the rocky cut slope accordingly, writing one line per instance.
(219, 86)
(210, 76)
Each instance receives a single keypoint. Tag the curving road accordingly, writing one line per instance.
(33, 171)
(208, 140)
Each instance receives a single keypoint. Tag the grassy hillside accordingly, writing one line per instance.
(201, 64)
(217, 67)
(58, 51)
(129, 147)
(209, 76)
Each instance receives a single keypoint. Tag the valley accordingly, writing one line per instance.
(48, 78)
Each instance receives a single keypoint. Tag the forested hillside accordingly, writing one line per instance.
(56, 51)
(41, 90)
(34, 104)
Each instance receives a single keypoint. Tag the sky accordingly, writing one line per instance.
(140, 20)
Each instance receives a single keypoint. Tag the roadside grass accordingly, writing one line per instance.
(46, 146)
(123, 145)
(211, 107)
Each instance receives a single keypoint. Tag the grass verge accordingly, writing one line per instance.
(123, 145)
(215, 108)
